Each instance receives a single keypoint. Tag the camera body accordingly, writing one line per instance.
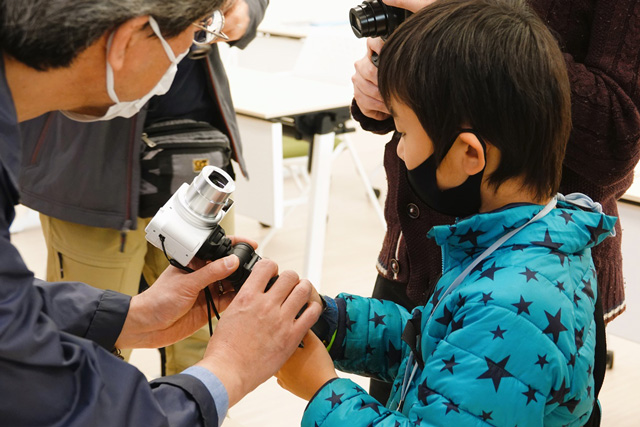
(187, 226)
(373, 18)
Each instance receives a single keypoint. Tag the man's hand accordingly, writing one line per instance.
(259, 330)
(365, 80)
(174, 307)
(365, 83)
(308, 369)
(236, 20)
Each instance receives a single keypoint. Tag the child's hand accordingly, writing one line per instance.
(365, 83)
(308, 369)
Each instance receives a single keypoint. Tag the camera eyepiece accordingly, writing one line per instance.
(375, 19)
(209, 192)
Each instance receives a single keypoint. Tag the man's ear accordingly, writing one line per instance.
(123, 36)
(473, 159)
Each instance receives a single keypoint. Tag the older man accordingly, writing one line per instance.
(97, 59)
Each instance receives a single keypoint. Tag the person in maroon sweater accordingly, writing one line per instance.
(600, 40)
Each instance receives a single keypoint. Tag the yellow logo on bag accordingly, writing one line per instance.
(199, 164)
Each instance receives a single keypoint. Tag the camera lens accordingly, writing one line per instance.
(209, 192)
(375, 19)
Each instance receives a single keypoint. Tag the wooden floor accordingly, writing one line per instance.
(353, 237)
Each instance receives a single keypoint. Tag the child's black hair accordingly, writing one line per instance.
(491, 65)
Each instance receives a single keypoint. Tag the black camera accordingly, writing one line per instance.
(376, 19)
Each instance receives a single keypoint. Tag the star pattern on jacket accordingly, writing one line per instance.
(349, 323)
(529, 274)
(449, 364)
(522, 306)
(424, 392)
(548, 243)
(560, 286)
(518, 247)
(457, 324)
(451, 407)
(496, 371)
(486, 416)
(498, 333)
(596, 232)
(491, 271)
(568, 217)
(531, 394)
(446, 318)
(394, 355)
(371, 405)
(555, 326)
(542, 360)
(486, 297)
(335, 399)
(557, 395)
(377, 319)
(579, 335)
(470, 236)
(587, 289)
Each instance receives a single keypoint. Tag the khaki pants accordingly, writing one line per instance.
(92, 255)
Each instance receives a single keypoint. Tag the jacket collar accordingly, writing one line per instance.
(567, 229)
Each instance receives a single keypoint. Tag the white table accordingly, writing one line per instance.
(263, 102)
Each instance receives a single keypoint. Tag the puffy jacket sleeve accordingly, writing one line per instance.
(369, 337)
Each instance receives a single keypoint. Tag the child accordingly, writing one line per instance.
(479, 91)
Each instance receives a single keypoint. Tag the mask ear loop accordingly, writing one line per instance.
(165, 44)
(111, 90)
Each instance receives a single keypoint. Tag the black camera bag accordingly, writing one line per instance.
(174, 152)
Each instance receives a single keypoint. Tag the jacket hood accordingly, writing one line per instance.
(566, 229)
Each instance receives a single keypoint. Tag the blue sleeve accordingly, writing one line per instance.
(214, 386)
(369, 337)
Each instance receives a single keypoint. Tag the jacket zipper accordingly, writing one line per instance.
(61, 266)
(126, 226)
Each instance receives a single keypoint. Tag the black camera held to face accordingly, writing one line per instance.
(375, 19)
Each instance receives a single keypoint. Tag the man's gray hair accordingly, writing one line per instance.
(48, 34)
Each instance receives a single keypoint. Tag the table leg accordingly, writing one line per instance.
(318, 206)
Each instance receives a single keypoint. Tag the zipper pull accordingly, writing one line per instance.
(147, 140)
(123, 234)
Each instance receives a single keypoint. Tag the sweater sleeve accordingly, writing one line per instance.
(603, 147)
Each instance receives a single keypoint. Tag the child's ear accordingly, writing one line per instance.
(473, 160)
(123, 36)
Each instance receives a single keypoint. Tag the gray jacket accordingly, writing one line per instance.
(89, 173)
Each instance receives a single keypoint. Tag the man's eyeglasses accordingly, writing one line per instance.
(210, 29)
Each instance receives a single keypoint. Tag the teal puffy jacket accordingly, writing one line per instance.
(513, 344)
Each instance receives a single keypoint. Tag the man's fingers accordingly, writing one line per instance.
(241, 239)
(260, 275)
(216, 270)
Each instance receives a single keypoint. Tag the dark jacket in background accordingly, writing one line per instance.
(601, 40)
(55, 338)
(89, 173)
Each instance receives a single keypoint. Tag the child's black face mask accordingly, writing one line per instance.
(460, 201)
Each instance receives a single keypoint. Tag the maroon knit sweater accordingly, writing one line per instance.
(601, 41)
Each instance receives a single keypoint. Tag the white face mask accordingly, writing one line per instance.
(130, 108)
